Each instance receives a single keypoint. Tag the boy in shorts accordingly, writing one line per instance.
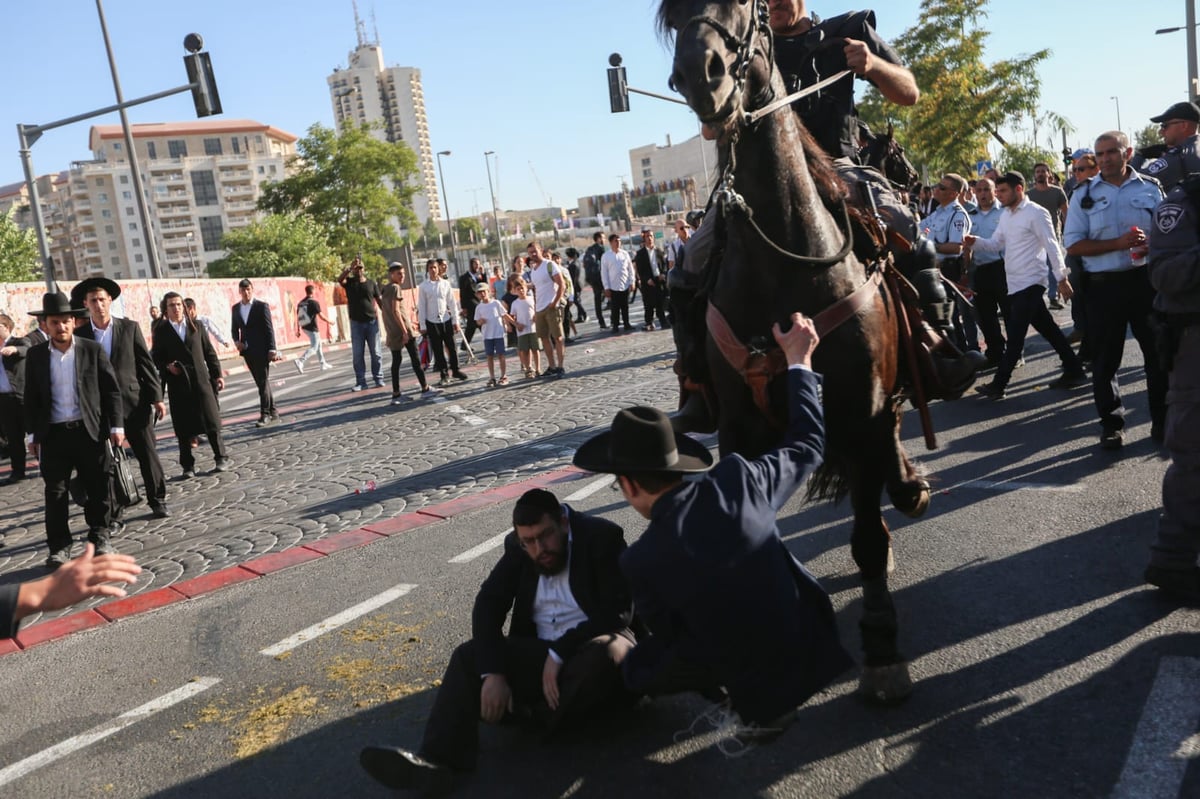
(528, 346)
(492, 320)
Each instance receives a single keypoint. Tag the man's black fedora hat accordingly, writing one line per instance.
(80, 290)
(641, 440)
(56, 304)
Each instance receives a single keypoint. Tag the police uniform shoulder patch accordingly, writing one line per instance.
(1154, 167)
(1167, 216)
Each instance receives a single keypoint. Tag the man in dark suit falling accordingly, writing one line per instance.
(254, 335)
(72, 405)
(141, 391)
(727, 605)
(12, 390)
(569, 633)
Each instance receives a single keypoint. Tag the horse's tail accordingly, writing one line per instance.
(828, 482)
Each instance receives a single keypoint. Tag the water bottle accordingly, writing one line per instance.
(1138, 252)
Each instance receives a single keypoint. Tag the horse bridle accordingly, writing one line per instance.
(762, 104)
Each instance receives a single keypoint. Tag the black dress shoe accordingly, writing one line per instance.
(188, 474)
(13, 479)
(1112, 439)
(57, 558)
(160, 510)
(991, 391)
(400, 769)
(1182, 584)
(1070, 380)
(222, 465)
(461, 376)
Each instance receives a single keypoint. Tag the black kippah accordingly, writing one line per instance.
(533, 505)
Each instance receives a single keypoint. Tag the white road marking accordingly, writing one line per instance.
(474, 421)
(486, 546)
(1013, 485)
(99, 733)
(1164, 740)
(500, 433)
(337, 620)
(497, 540)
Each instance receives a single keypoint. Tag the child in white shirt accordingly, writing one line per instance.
(529, 348)
(492, 318)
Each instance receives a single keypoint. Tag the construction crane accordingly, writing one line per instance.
(546, 197)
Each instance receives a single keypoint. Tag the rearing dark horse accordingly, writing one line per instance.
(785, 246)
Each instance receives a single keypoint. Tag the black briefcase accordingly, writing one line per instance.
(124, 480)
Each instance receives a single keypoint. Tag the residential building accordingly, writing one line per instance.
(695, 158)
(203, 179)
(53, 194)
(367, 92)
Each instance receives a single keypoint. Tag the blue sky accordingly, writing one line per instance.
(524, 77)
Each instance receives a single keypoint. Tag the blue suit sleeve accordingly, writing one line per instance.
(778, 473)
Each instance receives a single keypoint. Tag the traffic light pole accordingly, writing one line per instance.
(204, 95)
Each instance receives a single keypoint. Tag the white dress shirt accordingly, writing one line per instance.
(555, 609)
(104, 336)
(435, 302)
(616, 270)
(181, 329)
(1026, 236)
(64, 395)
(244, 309)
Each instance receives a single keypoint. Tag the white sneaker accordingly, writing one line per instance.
(325, 367)
(299, 366)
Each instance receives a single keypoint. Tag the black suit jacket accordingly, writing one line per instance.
(641, 262)
(257, 332)
(95, 386)
(130, 358)
(193, 394)
(14, 365)
(596, 582)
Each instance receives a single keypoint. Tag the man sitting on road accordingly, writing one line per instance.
(571, 611)
(726, 603)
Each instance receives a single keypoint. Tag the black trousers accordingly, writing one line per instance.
(1117, 301)
(12, 423)
(1028, 309)
(618, 309)
(441, 343)
(598, 299)
(413, 358)
(991, 304)
(70, 449)
(139, 432)
(260, 370)
(187, 458)
(654, 302)
(589, 679)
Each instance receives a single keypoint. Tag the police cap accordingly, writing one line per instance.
(1187, 111)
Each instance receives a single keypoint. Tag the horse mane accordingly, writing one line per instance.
(829, 184)
(661, 24)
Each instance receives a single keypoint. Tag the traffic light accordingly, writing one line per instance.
(618, 89)
(200, 75)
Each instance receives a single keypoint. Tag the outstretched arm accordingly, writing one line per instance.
(85, 576)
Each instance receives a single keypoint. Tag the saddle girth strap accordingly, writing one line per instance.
(757, 368)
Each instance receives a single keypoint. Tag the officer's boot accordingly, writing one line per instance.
(694, 414)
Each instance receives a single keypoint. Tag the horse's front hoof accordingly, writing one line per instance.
(885, 685)
(915, 501)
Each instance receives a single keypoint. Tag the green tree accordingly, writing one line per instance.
(431, 233)
(1022, 157)
(543, 225)
(963, 99)
(279, 245)
(468, 230)
(1148, 136)
(20, 261)
(352, 185)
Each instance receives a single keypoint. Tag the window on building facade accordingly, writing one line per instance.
(129, 210)
(210, 232)
(645, 162)
(177, 148)
(105, 214)
(132, 226)
(115, 261)
(112, 245)
(235, 145)
(126, 195)
(124, 179)
(141, 273)
(212, 146)
(139, 258)
(204, 187)
(151, 150)
(261, 169)
(647, 173)
(117, 146)
(108, 229)
(102, 197)
(99, 181)
(137, 242)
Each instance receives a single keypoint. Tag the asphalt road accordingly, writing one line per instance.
(1043, 665)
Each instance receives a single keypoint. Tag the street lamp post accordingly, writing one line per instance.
(1193, 79)
(495, 211)
(446, 202)
(192, 255)
(1117, 100)
(131, 155)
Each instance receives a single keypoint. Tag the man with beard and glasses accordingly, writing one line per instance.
(561, 659)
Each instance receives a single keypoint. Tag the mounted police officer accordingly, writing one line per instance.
(808, 50)
(1178, 125)
(1174, 270)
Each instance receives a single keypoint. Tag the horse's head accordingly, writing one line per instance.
(887, 155)
(722, 54)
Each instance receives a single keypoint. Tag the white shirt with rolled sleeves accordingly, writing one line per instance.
(1114, 210)
(1026, 236)
(616, 271)
(436, 303)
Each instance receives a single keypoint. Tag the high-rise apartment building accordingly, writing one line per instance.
(203, 178)
(367, 92)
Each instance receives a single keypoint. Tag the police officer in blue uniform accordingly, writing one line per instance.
(945, 227)
(986, 273)
(1174, 272)
(1107, 225)
(1178, 126)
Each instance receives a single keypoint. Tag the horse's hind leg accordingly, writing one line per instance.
(885, 678)
(907, 489)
